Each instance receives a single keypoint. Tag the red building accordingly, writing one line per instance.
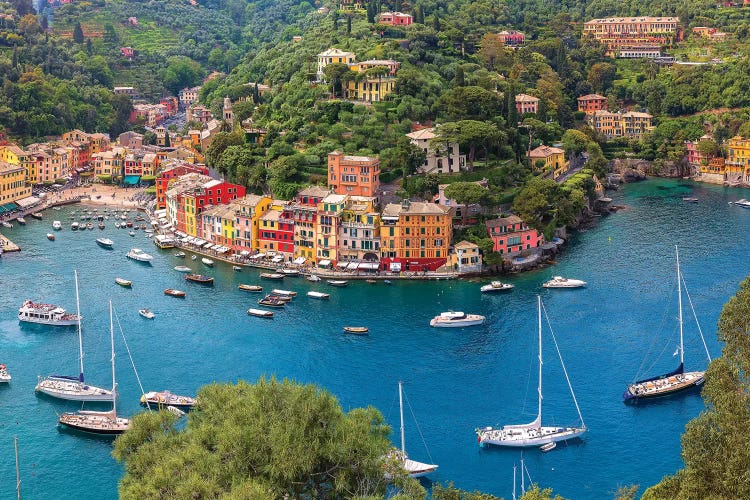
(395, 18)
(276, 231)
(172, 172)
(128, 52)
(511, 38)
(511, 235)
(171, 104)
(304, 214)
(592, 103)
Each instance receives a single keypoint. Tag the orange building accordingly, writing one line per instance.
(591, 103)
(353, 175)
(617, 33)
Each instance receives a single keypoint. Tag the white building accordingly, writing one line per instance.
(445, 159)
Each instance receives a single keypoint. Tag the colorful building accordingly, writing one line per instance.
(331, 56)
(371, 87)
(359, 236)
(511, 38)
(442, 159)
(553, 159)
(276, 231)
(305, 214)
(694, 157)
(591, 103)
(248, 211)
(526, 104)
(415, 236)
(511, 235)
(395, 18)
(632, 124)
(188, 96)
(169, 173)
(217, 225)
(13, 185)
(738, 158)
(330, 210)
(353, 175)
(465, 257)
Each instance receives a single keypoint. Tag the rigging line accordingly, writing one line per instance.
(700, 330)
(143, 393)
(562, 363)
(528, 382)
(416, 424)
(641, 369)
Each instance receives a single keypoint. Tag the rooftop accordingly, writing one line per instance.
(414, 208)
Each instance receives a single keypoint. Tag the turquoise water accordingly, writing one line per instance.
(454, 380)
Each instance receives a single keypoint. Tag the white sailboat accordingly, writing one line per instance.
(412, 467)
(70, 387)
(533, 433)
(105, 423)
(677, 380)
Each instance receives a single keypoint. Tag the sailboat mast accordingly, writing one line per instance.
(80, 334)
(539, 389)
(112, 342)
(18, 474)
(679, 303)
(401, 411)
(514, 481)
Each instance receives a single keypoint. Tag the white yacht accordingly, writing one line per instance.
(4, 375)
(456, 319)
(57, 225)
(560, 282)
(741, 203)
(139, 255)
(46, 314)
(496, 286)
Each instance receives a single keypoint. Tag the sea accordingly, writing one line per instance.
(622, 326)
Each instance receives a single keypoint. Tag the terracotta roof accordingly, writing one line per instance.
(503, 221)
(415, 208)
(545, 151)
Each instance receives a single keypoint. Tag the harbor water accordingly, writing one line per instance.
(623, 325)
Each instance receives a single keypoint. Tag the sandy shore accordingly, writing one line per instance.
(99, 195)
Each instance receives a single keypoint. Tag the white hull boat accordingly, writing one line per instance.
(46, 314)
(560, 282)
(57, 225)
(139, 255)
(456, 319)
(4, 375)
(207, 261)
(317, 295)
(496, 286)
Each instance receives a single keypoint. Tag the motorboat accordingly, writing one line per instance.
(339, 283)
(357, 330)
(237, 268)
(372, 282)
(496, 286)
(260, 313)
(129, 223)
(208, 262)
(317, 295)
(182, 269)
(313, 278)
(560, 282)
(251, 288)
(456, 319)
(690, 199)
(139, 255)
(89, 226)
(174, 293)
(4, 375)
(74, 226)
(146, 313)
(284, 293)
(36, 215)
(46, 314)
(272, 301)
(200, 279)
(132, 233)
(101, 225)
(123, 282)
(741, 203)
(50, 236)
(180, 254)
(194, 257)
(272, 276)
(57, 225)
(21, 221)
(105, 243)
(282, 298)
(6, 224)
(158, 400)
(288, 272)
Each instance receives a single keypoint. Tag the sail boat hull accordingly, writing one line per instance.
(95, 423)
(72, 390)
(527, 437)
(661, 387)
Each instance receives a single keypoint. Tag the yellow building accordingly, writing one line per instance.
(415, 236)
(465, 257)
(632, 124)
(188, 208)
(327, 227)
(331, 56)
(359, 234)
(553, 158)
(14, 155)
(304, 213)
(248, 211)
(372, 87)
(13, 185)
(738, 158)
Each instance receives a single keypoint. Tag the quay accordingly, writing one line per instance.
(7, 245)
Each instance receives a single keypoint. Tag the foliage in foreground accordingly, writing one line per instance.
(715, 444)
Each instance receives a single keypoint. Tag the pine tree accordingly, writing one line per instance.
(89, 47)
(436, 22)
(460, 78)
(349, 25)
(167, 140)
(14, 61)
(510, 103)
(78, 34)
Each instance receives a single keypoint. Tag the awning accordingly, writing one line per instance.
(395, 266)
(131, 179)
(299, 260)
(8, 207)
(278, 258)
(222, 250)
(27, 202)
(342, 264)
(369, 265)
(244, 253)
(353, 265)
(160, 213)
(209, 245)
(199, 242)
(324, 263)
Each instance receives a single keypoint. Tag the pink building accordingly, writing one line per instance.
(694, 157)
(526, 104)
(395, 18)
(511, 235)
(511, 38)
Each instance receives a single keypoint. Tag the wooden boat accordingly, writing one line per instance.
(123, 282)
(313, 278)
(272, 276)
(174, 293)
(282, 298)
(339, 283)
(237, 268)
(284, 293)
(548, 447)
(158, 400)
(146, 313)
(251, 288)
(50, 236)
(357, 330)
(260, 313)
(129, 223)
(317, 295)
(200, 278)
(207, 261)
(21, 221)
(271, 301)
(37, 216)
(101, 225)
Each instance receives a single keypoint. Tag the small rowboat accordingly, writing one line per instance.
(357, 330)
(272, 276)
(182, 269)
(260, 313)
(548, 446)
(317, 295)
(123, 282)
(338, 282)
(174, 293)
(50, 236)
(251, 288)
(199, 278)
(271, 301)
(284, 293)
(237, 268)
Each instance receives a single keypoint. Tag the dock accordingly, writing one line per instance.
(7, 245)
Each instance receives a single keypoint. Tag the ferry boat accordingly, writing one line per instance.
(46, 314)
(4, 375)
(158, 400)
(260, 313)
(496, 286)
(174, 293)
(200, 278)
(139, 255)
(560, 282)
(105, 243)
(251, 288)
(456, 319)
(57, 225)
(317, 295)
(163, 241)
